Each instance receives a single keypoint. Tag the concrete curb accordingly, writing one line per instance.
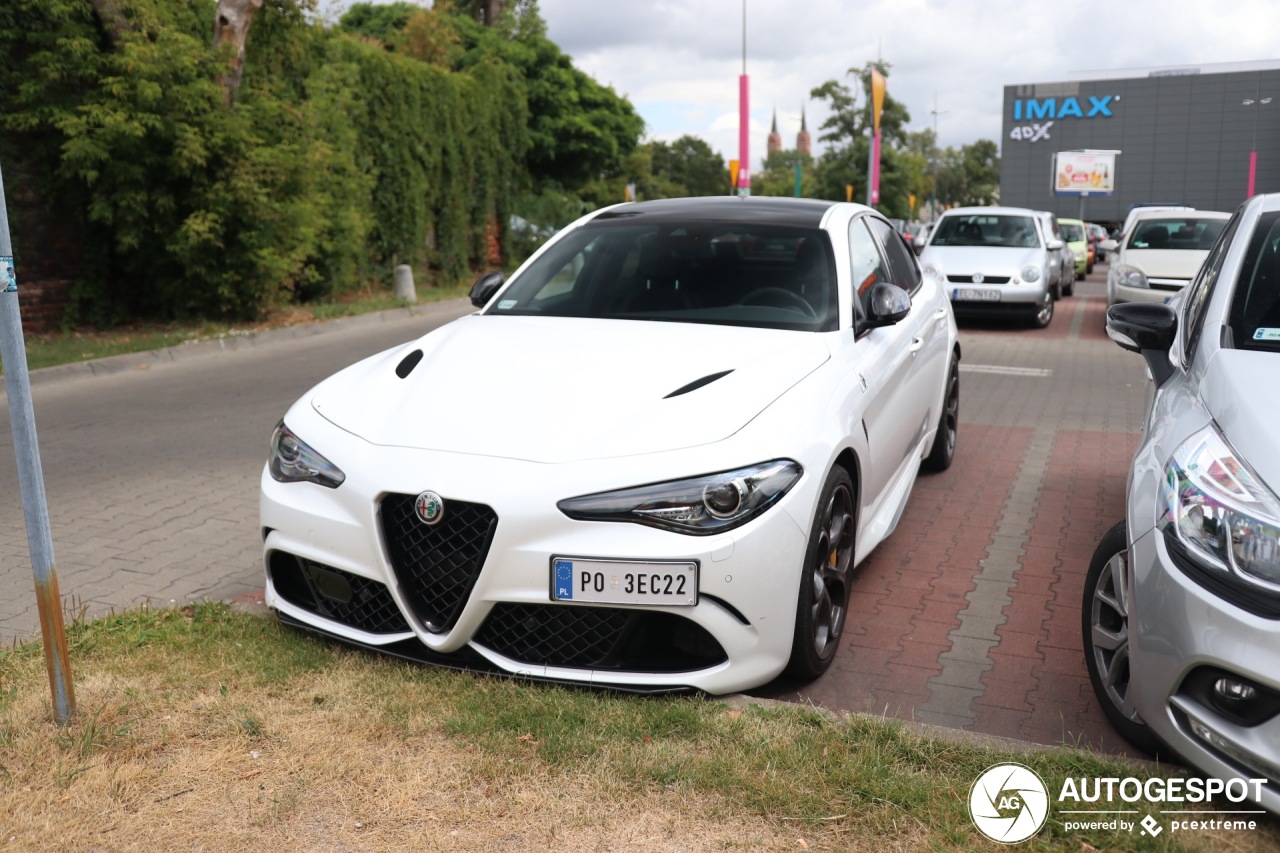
(960, 737)
(233, 341)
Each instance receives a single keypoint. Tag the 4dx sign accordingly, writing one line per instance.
(1040, 114)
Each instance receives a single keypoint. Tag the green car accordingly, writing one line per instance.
(1078, 241)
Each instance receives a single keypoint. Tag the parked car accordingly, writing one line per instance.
(1181, 608)
(651, 460)
(1097, 235)
(1074, 233)
(994, 261)
(1061, 259)
(1161, 252)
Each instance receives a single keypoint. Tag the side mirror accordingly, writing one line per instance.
(886, 304)
(1147, 328)
(1055, 245)
(485, 286)
(1109, 245)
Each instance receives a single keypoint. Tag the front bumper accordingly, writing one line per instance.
(1161, 290)
(329, 569)
(1179, 632)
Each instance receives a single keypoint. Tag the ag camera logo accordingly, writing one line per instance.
(1009, 803)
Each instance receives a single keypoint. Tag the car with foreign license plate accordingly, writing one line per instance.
(1181, 606)
(994, 261)
(651, 460)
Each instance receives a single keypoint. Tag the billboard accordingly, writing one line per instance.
(1084, 172)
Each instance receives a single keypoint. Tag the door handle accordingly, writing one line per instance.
(916, 345)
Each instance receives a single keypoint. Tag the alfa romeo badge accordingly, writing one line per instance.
(430, 508)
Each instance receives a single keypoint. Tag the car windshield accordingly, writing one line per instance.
(1072, 233)
(1176, 232)
(725, 273)
(1255, 307)
(986, 229)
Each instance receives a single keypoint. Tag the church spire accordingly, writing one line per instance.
(775, 138)
(804, 142)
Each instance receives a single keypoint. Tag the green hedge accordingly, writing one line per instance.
(336, 161)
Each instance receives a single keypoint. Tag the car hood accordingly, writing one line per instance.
(1166, 263)
(550, 389)
(1244, 409)
(998, 260)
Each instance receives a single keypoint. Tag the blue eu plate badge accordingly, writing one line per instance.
(564, 579)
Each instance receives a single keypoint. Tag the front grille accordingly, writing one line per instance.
(342, 597)
(986, 279)
(437, 565)
(598, 638)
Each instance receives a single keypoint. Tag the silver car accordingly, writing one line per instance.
(994, 261)
(1181, 608)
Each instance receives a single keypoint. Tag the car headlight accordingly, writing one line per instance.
(294, 461)
(1030, 273)
(1130, 276)
(698, 505)
(1221, 513)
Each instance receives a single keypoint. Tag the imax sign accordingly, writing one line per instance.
(1030, 109)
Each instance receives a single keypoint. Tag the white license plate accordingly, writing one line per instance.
(972, 295)
(624, 582)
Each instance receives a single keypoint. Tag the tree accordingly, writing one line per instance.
(579, 131)
(971, 175)
(847, 130)
(231, 25)
(690, 165)
(778, 177)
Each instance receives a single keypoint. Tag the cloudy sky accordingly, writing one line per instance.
(678, 61)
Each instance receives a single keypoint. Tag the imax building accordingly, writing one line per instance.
(1203, 135)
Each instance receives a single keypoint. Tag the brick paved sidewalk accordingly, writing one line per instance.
(969, 615)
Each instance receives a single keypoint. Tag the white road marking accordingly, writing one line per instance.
(1005, 370)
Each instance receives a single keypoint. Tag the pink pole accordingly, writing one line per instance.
(1253, 172)
(744, 122)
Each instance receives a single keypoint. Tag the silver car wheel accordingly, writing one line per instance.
(1109, 628)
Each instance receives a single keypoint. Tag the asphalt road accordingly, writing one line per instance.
(968, 616)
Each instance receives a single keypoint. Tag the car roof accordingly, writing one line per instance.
(1175, 213)
(995, 211)
(795, 212)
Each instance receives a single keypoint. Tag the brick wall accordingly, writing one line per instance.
(46, 249)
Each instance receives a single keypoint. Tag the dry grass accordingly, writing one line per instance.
(200, 729)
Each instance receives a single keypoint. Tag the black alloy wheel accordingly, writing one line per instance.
(943, 450)
(1105, 631)
(823, 600)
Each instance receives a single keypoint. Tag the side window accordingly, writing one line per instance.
(866, 265)
(903, 270)
(1201, 287)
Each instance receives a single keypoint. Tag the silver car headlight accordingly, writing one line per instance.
(1129, 276)
(699, 505)
(1219, 511)
(1030, 273)
(294, 461)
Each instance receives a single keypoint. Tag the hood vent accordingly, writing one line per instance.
(408, 363)
(698, 383)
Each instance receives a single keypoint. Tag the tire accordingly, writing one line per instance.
(1104, 625)
(943, 450)
(823, 602)
(1042, 316)
(1071, 289)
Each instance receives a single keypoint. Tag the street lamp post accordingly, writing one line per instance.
(933, 188)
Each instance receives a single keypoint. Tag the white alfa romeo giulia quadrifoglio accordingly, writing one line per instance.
(651, 461)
